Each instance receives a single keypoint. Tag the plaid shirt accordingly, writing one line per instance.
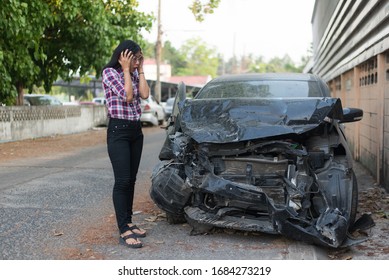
(118, 107)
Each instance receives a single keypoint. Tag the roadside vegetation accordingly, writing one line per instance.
(45, 40)
(194, 57)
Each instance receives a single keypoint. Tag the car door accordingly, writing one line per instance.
(158, 108)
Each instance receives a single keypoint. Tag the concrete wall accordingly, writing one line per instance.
(352, 55)
(366, 86)
(383, 80)
(23, 122)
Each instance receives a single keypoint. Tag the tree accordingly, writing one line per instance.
(200, 60)
(174, 57)
(45, 39)
(21, 27)
(148, 49)
(200, 9)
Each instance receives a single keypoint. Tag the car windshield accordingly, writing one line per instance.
(260, 89)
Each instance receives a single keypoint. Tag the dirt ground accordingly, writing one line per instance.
(372, 198)
(50, 145)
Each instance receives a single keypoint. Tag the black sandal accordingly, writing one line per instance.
(137, 234)
(122, 240)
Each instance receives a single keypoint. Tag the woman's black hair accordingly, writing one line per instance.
(125, 45)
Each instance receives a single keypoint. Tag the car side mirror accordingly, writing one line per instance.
(351, 115)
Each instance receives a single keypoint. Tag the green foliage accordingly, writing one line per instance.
(248, 63)
(42, 40)
(148, 49)
(253, 64)
(200, 9)
(200, 60)
(21, 27)
(174, 57)
(195, 58)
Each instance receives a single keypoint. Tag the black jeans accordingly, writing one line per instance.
(125, 144)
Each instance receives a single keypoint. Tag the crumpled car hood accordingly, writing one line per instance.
(234, 120)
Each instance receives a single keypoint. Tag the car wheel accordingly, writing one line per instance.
(175, 219)
(354, 200)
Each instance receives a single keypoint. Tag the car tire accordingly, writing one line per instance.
(175, 219)
(354, 199)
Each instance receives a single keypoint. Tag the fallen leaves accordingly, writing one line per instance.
(156, 218)
(57, 233)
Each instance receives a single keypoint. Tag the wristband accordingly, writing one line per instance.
(141, 73)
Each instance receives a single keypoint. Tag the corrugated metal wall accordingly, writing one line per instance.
(351, 43)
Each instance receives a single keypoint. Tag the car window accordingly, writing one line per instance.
(170, 102)
(54, 101)
(42, 100)
(260, 89)
(99, 100)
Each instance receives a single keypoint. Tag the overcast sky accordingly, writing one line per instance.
(265, 28)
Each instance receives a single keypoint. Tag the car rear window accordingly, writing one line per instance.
(260, 89)
(42, 100)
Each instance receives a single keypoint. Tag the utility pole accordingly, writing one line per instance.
(158, 53)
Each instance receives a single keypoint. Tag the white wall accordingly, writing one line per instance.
(22, 122)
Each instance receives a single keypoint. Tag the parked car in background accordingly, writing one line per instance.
(99, 100)
(88, 103)
(260, 152)
(152, 112)
(40, 100)
(169, 107)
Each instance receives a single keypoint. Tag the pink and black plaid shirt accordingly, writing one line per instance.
(118, 107)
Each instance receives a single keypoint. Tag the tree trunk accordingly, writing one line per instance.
(20, 89)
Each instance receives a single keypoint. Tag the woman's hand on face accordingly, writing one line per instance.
(141, 59)
(125, 60)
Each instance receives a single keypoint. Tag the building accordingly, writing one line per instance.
(351, 52)
(150, 68)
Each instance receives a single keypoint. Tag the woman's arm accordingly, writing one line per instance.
(125, 61)
(144, 89)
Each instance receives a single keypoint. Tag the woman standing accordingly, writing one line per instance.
(124, 84)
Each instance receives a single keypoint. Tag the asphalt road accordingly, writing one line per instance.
(59, 207)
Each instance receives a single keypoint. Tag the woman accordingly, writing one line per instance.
(124, 84)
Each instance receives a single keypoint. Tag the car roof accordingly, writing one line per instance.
(32, 94)
(36, 95)
(266, 77)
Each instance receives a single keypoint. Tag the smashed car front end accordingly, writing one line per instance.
(260, 165)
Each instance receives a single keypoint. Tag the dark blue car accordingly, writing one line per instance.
(260, 152)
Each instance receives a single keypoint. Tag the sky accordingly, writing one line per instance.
(267, 28)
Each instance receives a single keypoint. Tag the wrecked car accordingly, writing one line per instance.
(260, 152)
